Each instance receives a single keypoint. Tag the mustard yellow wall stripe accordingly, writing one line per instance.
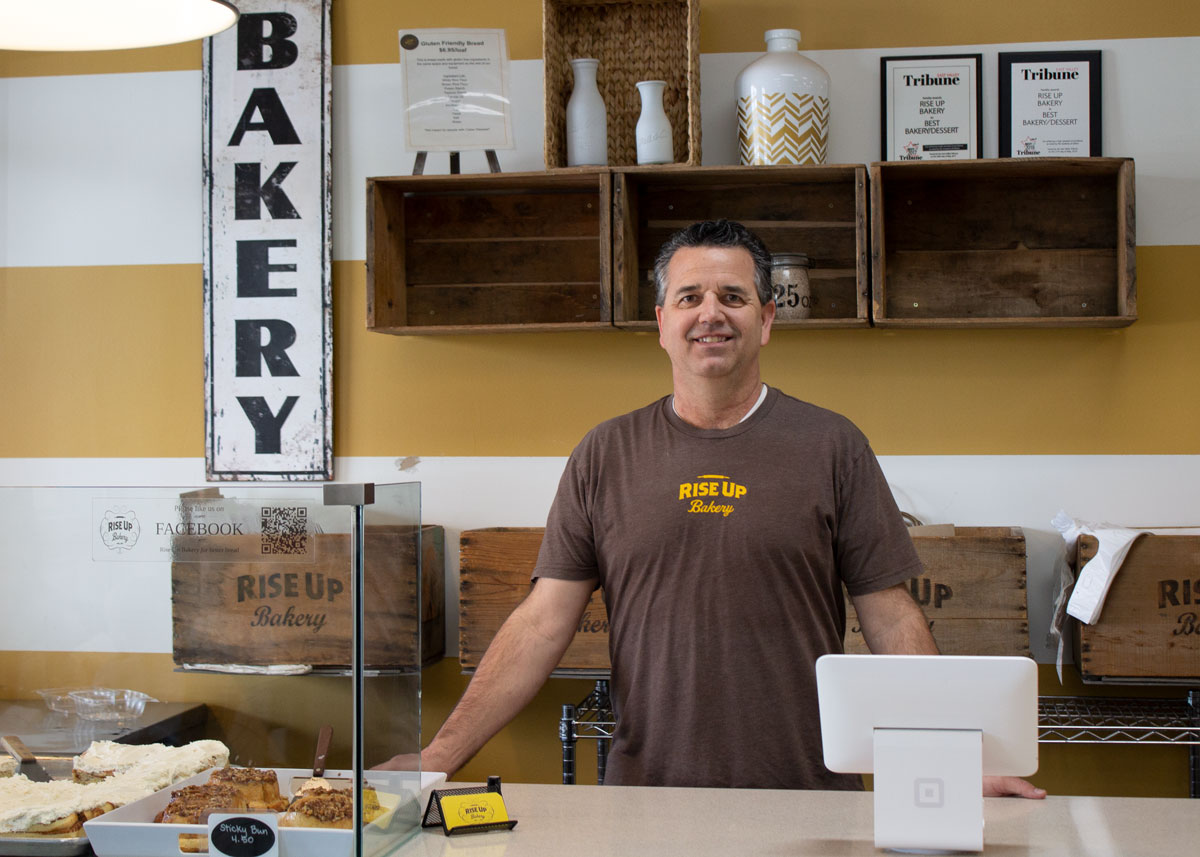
(102, 361)
(107, 362)
(366, 31)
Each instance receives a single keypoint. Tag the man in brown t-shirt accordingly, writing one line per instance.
(722, 522)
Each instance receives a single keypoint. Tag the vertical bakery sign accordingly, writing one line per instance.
(268, 338)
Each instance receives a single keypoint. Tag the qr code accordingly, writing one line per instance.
(284, 530)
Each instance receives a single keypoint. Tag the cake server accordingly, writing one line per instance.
(30, 766)
(324, 739)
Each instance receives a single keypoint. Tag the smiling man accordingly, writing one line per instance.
(722, 522)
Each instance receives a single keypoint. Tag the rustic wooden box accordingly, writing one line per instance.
(486, 253)
(494, 567)
(818, 210)
(972, 592)
(212, 626)
(998, 243)
(1149, 627)
(633, 40)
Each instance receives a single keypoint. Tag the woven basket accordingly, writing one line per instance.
(633, 40)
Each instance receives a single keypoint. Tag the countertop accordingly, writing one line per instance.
(660, 822)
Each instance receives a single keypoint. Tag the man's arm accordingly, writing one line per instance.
(516, 664)
(894, 624)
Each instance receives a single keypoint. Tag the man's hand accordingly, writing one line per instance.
(1011, 787)
(400, 762)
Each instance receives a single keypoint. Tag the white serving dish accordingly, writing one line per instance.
(130, 831)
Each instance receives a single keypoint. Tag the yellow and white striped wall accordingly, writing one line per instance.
(101, 348)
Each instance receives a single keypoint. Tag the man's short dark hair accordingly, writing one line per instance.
(716, 233)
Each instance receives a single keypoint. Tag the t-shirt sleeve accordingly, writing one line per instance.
(568, 549)
(873, 548)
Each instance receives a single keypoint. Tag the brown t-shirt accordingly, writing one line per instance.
(722, 555)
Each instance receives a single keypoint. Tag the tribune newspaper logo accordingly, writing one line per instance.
(119, 529)
(711, 494)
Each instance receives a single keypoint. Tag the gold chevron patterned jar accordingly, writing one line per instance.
(783, 105)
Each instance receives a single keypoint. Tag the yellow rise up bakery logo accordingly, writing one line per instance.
(711, 494)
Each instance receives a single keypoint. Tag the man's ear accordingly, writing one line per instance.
(768, 318)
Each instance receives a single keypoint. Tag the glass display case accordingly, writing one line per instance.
(150, 637)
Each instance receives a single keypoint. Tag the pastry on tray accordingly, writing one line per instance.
(329, 808)
(194, 804)
(259, 786)
(320, 807)
(106, 776)
(104, 759)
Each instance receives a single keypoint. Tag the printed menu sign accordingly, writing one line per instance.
(455, 90)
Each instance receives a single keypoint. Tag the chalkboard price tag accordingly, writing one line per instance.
(243, 835)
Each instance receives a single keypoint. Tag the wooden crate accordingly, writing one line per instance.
(217, 622)
(494, 567)
(486, 253)
(818, 210)
(1002, 243)
(1149, 627)
(972, 592)
(633, 40)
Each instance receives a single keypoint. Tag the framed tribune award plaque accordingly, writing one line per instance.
(930, 107)
(1050, 104)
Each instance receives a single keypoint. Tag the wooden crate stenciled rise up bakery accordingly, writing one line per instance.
(494, 568)
(262, 613)
(972, 591)
(1148, 630)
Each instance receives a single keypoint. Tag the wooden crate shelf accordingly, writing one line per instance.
(489, 253)
(818, 210)
(995, 243)
(1003, 243)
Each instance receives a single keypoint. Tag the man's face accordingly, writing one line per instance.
(711, 323)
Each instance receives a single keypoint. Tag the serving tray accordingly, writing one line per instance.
(130, 831)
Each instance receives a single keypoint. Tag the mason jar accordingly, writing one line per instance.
(789, 279)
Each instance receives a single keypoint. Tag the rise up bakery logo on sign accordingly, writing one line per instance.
(267, 284)
(119, 529)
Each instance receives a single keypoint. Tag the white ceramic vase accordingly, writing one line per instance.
(783, 105)
(587, 121)
(653, 131)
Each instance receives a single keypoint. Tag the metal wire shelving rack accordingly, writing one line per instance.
(1061, 720)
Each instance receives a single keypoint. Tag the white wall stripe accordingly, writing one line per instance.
(105, 169)
(463, 493)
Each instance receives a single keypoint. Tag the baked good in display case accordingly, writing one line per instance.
(330, 808)
(259, 786)
(104, 777)
(194, 804)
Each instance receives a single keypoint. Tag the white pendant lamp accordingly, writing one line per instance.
(98, 25)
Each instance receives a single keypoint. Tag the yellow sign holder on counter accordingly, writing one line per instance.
(469, 810)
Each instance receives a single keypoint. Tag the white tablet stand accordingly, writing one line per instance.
(929, 790)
